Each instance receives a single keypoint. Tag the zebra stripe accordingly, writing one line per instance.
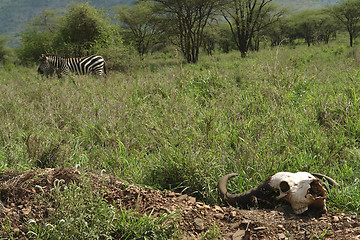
(85, 65)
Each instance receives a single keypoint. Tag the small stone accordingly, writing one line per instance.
(12, 204)
(259, 228)
(219, 216)
(233, 213)
(218, 208)
(238, 235)
(192, 200)
(6, 210)
(347, 225)
(199, 224)
(199, 206)
(171, 194)
(26, 211)
(281, 227)
(182, 197)
(335, 219)
(281, 236)
(206, 206)
(227, 236)
(16, 231)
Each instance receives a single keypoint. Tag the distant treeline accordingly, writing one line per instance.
(191, 26)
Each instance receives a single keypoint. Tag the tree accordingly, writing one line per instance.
(268, 17)
(313, 25)
(143, 25)
(82, 30)
(348, 13)
(327, 26)
(47, 21)
(188, 19)
(83, 27)
(38, 37)
(6, 53)
(306, 24)
(245, 18)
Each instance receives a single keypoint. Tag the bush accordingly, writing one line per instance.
(7, 55)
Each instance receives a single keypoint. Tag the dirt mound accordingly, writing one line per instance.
(19, 204)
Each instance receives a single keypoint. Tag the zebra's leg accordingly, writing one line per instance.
(66, 73)
(99, 72)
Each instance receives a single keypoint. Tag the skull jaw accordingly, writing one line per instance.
(300, 209)
(318, 204)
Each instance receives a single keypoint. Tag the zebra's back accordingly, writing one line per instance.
(84, 65)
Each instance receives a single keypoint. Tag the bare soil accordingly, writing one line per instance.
(18, 193)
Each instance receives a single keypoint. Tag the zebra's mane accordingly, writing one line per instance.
(61, 57)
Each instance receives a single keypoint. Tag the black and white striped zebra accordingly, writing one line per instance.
(85, 65)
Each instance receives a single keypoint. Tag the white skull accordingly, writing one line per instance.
(300, 189)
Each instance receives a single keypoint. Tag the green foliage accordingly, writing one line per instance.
(175, 126)
(7, 55)
(348, 13)
(14, 14)
(82, 27)
(312, 25)
(187, 20)
(33, 44)
(81, 31)
(82, 213)
(142, 26)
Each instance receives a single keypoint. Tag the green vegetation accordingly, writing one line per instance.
(82, 214)
(183, 126)
(161, 122)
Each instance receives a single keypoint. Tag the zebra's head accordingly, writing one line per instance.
(45, 66)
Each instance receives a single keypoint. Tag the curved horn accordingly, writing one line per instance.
(331, 181)
(262, 193)
(225, 196)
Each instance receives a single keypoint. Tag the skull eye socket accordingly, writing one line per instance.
(284, 186)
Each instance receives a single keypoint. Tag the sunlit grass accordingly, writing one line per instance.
(182, 127)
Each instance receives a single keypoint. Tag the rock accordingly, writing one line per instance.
(206, 206)
(281, 227)
(26, 211)
(16, 231)
(259, 228)
(227, 236)
(171, 194)
(192, 200)
(233, 213)
(219, 215)
(239, 235)
(199, 224)
(218, 208)
(182, 197)
(335, 219)
(281, 236)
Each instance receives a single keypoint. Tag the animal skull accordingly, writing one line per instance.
(300, 189)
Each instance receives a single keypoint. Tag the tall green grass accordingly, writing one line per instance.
(182, 127)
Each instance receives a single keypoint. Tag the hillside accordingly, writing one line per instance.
(14, 14)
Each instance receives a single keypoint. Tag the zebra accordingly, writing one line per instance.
(85, 65)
